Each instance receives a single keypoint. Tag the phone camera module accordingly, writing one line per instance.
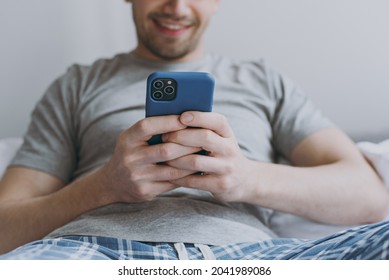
(163, 89)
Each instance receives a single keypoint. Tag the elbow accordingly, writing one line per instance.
(378, 208)
(381, 214)
(375, 194)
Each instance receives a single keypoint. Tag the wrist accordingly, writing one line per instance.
(95, 187)
(256, 182)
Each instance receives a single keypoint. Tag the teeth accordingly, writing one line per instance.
(171, 26)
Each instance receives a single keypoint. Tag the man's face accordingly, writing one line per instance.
(171, 30)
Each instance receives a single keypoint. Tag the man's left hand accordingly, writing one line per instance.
(225, 170)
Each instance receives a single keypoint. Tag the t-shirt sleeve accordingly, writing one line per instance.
(295, 116)
(49, 144)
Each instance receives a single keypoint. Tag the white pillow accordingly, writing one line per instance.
(378, 155)
(8, 148)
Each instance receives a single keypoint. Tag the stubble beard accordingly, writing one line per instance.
(169, 49)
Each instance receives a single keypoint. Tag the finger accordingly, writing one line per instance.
(148, 191)
(195, 137)
(208, 120)
(164, 152)
(199, 163)
(208, 183)
(163, 172)
(144, 129)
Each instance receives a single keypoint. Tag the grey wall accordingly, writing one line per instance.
(337, 50)
(41, 38)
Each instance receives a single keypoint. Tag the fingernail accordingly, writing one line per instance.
(164, 137)
(186, 118)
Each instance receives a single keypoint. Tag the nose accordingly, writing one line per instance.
(177, 7)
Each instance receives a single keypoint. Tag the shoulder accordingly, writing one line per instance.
(80, 80)
(256, 68)
(100, 67)
(255, 73)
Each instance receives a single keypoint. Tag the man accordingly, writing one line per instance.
(87, 181)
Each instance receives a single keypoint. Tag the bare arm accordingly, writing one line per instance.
(329, 182)
(33, 203)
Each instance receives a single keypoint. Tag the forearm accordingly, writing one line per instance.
(31, 219)
(340, 193)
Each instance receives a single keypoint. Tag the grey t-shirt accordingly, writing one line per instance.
(75, 126)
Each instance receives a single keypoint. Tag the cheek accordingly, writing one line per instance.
(205, 14)
(204, 21)
(208, 8)
(140, 21)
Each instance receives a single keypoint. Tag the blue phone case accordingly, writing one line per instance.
(172, 93)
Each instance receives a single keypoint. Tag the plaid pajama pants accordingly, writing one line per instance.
(364, 242)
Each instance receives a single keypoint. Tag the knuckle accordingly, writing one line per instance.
(133, 172)
(121, 143)
(141, 193)
(228, 168)
(224, 125)
(134, 176)
(196, 163)
(207, 136)
(172, 137)
(172, 173)
(164, 151)
(229, 151)
(143, 127)
(223, 184)
(223, 119)
(128, 163)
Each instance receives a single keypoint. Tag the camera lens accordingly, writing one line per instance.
(157, 95)
(169, 90)
(158, 84)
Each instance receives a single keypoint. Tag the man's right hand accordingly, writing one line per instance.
(136, 171)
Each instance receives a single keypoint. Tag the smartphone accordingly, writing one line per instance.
(172, 93)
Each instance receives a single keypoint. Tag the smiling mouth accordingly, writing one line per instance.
(172, 27)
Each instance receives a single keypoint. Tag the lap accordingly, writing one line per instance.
(365, 242)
